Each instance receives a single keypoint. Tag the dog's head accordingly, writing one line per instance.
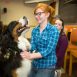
(16, 31)
(20, 28)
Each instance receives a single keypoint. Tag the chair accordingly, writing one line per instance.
(73, 58)
(71, 50)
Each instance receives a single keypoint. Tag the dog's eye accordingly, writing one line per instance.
(19, 29)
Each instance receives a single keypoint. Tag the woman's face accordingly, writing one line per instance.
(41, 16)
(58, 24)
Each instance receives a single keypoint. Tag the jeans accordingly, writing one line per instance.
(42, 72)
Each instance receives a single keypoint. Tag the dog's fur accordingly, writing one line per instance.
(13, 42)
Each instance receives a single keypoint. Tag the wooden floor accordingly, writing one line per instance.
(74, 73)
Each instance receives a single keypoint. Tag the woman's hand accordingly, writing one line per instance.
(30, 56)
(25, 54)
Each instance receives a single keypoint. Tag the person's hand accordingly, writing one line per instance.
(25, 54)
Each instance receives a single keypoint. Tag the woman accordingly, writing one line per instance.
(44, 39)
(62, 43)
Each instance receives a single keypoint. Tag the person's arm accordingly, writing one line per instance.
(30, 56)
(51, 42)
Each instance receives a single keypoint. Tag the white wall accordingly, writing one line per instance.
(17, 9)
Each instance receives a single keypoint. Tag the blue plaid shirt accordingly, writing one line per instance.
(45, 43)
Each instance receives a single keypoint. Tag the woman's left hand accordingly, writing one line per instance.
(25, 54)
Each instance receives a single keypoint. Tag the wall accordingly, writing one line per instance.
(17, 9)
(68, 12)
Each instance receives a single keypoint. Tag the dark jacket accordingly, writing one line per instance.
(61, 49)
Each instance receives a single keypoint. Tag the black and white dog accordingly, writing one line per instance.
(14, 42)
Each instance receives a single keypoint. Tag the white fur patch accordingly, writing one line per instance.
(22, 21)
(24, 70)
(23, 43)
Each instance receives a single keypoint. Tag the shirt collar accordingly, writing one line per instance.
(47, 27)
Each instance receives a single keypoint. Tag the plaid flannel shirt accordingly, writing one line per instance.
(45, 43)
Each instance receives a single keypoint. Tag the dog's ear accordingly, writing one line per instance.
(11, 26)
(14, 32)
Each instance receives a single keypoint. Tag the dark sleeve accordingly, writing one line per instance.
(62, 45)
